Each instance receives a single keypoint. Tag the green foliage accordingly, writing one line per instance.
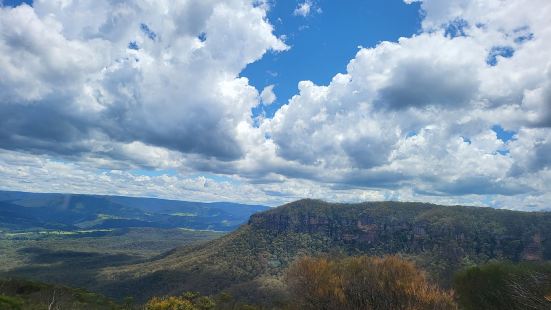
(128, 302)
(225, 301)
(187, 301)
(204, 303)
(504, 286)
(11, 303)
(18, 294)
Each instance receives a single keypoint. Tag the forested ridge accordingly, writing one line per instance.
(250, 262)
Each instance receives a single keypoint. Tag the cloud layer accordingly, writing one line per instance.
(160, 73)
(93, 90)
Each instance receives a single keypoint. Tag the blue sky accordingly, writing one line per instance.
(16, 2)
(424, 100)
(322, 43)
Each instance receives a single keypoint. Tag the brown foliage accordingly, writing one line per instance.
(363, 283)
(169, 303)
(315, 284)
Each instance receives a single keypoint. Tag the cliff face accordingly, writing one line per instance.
(534, 251)
(454, 233)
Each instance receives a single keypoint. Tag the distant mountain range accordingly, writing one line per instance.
(36, 211)
(250, 261)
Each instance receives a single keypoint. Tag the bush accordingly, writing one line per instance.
(10, 303)
(363, 283)
(187, 301)
(501, 285)
(169, 303)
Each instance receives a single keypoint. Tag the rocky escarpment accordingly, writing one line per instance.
(455, 233)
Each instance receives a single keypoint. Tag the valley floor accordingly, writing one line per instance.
(75, 258)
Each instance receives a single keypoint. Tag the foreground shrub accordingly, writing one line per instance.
(363, 283)
(505, 286)
(10, 303)
(188, 301)
(169, 303)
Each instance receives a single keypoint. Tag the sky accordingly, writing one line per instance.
(271, 101)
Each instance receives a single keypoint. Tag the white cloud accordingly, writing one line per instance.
(418, 113)
(306, 8)
(408, 120)
(77, 72)
(45, 174)
(267, 96)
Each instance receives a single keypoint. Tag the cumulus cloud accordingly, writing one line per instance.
(267, 96)
(92, 90)
(178, 87)
(418, 113)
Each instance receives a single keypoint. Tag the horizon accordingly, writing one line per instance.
(267, 102)
(274, 206)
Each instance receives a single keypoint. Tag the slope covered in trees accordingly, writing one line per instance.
(17, 294)
(250, 261)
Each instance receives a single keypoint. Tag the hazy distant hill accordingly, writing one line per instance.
(249, 260)
(24, 211)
